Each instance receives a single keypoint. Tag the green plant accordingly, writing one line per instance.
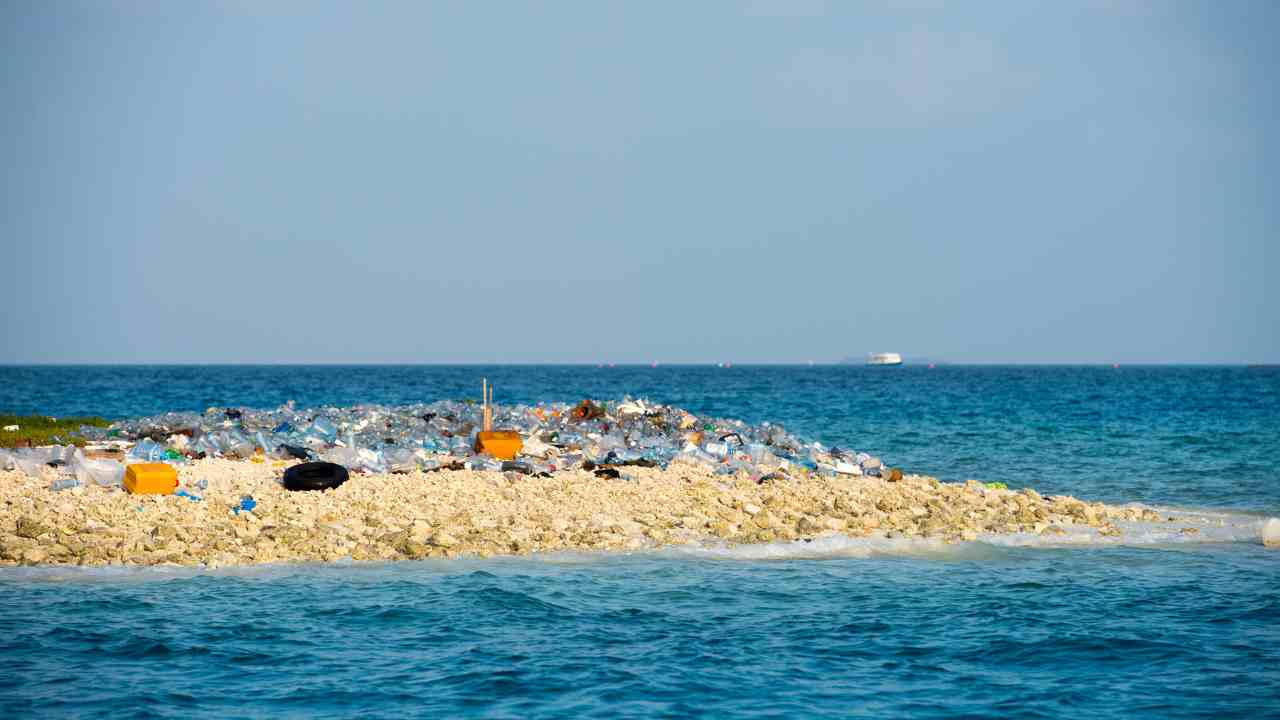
(43, 430)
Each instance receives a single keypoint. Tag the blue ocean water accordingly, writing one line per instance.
(1151, 628)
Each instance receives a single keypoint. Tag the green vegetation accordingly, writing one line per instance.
(40, 430)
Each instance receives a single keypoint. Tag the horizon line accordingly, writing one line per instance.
(653, 365)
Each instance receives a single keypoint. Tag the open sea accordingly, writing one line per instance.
(1158, 625)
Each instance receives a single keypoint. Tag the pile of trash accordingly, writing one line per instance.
(594, 436)
(65, 466)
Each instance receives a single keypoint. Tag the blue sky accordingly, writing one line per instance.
(674, 182)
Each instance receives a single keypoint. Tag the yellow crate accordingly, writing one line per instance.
(502, 444)
(150, 479)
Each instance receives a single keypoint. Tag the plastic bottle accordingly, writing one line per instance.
(267, 446)
(325, 429)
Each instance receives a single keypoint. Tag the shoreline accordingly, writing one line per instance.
(453, 513)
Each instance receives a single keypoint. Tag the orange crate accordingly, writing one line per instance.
(150, 479)
(502, 444)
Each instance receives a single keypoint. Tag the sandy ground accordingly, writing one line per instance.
(450, 513)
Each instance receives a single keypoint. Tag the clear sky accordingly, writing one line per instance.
(671, 181)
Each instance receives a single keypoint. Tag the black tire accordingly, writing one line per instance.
(315, 476)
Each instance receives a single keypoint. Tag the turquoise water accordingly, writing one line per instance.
(1161, 626)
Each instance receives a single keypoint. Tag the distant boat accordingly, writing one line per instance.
(884, 359)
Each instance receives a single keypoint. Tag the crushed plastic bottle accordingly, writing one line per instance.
(147, 450)
(268, 447)
(324, 429)
(100, 472)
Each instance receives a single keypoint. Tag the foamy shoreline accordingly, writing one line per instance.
(453, 513)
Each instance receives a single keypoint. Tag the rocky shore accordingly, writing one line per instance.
(455, 513)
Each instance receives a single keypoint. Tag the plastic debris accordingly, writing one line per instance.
(501, 444)
(100, 472)
(442, 435)
(247, 504)
(147, 450)
(64, 466)
(150, 479)
(294, 451)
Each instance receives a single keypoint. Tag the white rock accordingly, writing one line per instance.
(35, 555)
(442, 539)
(420, 531)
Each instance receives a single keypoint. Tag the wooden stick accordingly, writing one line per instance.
(488, 411)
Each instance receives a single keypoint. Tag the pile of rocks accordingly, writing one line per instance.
(461, 512)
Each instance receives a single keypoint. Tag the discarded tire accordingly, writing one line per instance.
(315, 476)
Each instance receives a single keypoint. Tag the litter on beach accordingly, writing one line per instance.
(272, 485)
(535, 440)
(150, 479)
(501, 444)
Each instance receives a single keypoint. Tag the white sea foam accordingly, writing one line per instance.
(829, 546)
(1271, 532)
(1189, 527)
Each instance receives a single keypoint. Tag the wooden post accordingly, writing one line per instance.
(486, 414)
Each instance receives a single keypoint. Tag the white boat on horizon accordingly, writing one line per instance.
(884, 359)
